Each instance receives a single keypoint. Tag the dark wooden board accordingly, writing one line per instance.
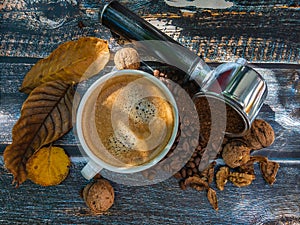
(258, 31)
(163, 203)
(280, 108)
(266, 33)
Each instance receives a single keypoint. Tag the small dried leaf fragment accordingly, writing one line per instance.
(45, 117)
(241, 179)
(222, 177)
(212, 198)
(72, 61)
(269, 171)
(48, 166)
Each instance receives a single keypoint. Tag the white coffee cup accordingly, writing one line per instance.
(86, 130)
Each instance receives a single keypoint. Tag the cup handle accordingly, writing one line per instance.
(90, 170)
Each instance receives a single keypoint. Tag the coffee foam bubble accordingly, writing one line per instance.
(143, 111)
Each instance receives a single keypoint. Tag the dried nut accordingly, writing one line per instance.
(247, 168)
(208, 173)
(241, 179)
(236, 153)
(260, 135)
(182, 185)
(196, 180)
(212, 198)
(99, 195)
(86, 189)
(127, 58)
(257, 158)
(198, 187)
(222, 177)
(269, 171)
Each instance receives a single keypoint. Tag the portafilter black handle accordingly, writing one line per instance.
(144, 35)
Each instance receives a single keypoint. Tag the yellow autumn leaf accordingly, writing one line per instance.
(72, 61)
(48, 166)
(45, 117)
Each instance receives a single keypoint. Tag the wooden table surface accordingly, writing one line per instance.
(266, 33)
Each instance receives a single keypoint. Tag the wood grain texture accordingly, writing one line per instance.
(265, 32)
(163, 203)
(281, 109)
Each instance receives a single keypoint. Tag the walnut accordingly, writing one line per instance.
(222, 177)
(241, 179)
(260, 135)
(127, 58)
(209, 172)
(236, 153)
(194, 180)
(212, 198)
(199, 184)
(269, 171)
(99, 195)
(247, 168)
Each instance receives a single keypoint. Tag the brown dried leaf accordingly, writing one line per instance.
(72, 61)
(48, 166)
(241, 179)
(45, 117)
(212, 198)
(269, 171)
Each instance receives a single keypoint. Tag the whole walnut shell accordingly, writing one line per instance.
(236, 153)
(127, 58)
(260, 135)
(99, 195)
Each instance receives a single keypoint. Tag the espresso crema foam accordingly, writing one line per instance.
(134, 119)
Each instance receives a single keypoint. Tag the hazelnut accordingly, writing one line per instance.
(260, 135)
(127, 58)
(99, 195)
(236, 153)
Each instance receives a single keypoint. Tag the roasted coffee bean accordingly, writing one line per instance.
(166, 167)
(197, 160)
(195, 170)
(191, 164)
(183, 173)
(189, 172)
(178, 175)
(194, 142)
(182, 185)
(186, 146)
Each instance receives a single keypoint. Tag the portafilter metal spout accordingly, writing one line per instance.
(242, 88)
